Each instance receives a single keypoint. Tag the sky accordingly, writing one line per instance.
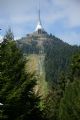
(59, 17)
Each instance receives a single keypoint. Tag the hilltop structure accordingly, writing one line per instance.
(39, 30)
(39, 27)
(42, 51)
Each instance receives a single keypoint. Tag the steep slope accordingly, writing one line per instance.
(35, 65)
(57, 54)
(58, 58)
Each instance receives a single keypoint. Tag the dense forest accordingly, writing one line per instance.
(17, 96)
(58, 58)
(58, 55)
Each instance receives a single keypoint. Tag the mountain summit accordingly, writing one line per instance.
(48, 55)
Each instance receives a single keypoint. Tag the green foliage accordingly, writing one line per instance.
(70, 103)
(9, 35)
(51, 104)
(16, 86)
(58, 58)
(76, 66)
(63, 102)
(58, 54)
(58, 73)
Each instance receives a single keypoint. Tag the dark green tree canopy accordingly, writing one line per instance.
(16, 85)
(70, 103)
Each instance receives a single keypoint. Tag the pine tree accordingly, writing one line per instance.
(70, 103)
(16, 86)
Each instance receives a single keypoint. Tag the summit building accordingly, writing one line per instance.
(39, 31)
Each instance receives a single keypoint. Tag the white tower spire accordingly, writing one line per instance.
(39, 25)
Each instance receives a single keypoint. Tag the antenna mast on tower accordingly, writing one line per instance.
(39, 19)
(39, 25)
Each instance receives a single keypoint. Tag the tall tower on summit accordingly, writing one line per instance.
(39, 24)
(39, 28)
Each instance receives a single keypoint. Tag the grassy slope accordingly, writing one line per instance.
(35, 65)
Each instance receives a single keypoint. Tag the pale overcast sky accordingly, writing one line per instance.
(59, 17)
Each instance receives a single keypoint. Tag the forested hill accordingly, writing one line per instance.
(58, 54)
(51, 58)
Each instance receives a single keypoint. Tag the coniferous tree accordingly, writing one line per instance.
(16, 86)
(70, 104)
